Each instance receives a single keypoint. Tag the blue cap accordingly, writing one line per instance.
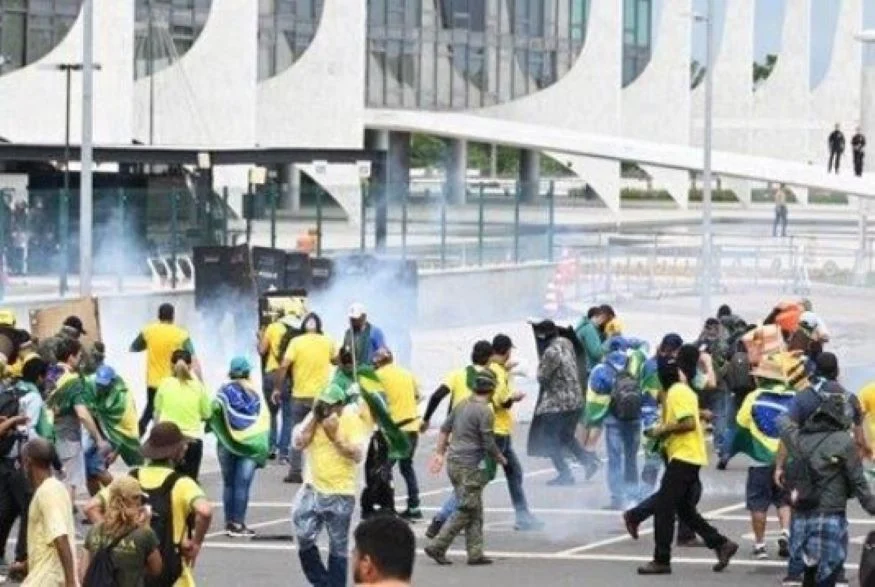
(240, 367)
(671, 342)
(104, 375)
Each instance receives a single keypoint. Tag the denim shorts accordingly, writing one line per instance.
(761, 491)
(94, 463)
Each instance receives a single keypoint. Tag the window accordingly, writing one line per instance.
(464, 14)
(165, 30)
(30, 29)
(285, 30)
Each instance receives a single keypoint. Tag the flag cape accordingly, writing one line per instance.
(598, 398)
(375, 398)
(757, 433)
(241, 423)
(116, 415)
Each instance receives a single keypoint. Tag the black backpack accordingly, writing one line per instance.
(161, 502)
(737, 376)
(625, 395)
(102, 570)
(10, 406)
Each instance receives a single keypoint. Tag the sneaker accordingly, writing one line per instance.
(434, 528)
(759, 552)
(437, 556)
(285, 461)
(790, 581)
(561, 481)
(238, 531)
(479, 562)
(272, 455)
(293, 478)
(724, 555)
(783, 547)
(631, 526)
(528, 524)
(654, 568)
(411, 514)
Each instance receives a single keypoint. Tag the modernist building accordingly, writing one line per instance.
(310, 73)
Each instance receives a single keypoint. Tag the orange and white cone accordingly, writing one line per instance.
(551, 300)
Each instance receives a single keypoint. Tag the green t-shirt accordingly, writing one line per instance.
(129, 555)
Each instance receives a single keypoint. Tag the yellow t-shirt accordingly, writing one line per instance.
(327, 470)
(681, 402)
(867, 403)
(186, 404)
(50, 516)
(310, 355)
(185, 494)
(273, 334)
(503, 416)
(457, 383)
(402, 395)
(160, 340)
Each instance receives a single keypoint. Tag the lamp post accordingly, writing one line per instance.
(867, 38)
(708, 19)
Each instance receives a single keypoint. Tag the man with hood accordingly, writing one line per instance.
(308, 361)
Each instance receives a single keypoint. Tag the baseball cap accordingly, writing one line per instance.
(333, 395)
(239, 367)
(809, 322)
(501, 343)
(104, 375)
(357, 310)
(75, 323)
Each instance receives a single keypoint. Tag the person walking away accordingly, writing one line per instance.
(272, 346)
(183, 400)
(836, 144)
(308, 359)
(160, 339)
(713, 341)
(239, 420)
(362, 336)
(333, 441)
(50, 526)
(780, 211)
(124, 537)
(823, 472)
(402, 396)
(467, 442)
(181, 513)
(682, 435)
(383, 553)
(858, 145)
(558, 408)
(739, 383)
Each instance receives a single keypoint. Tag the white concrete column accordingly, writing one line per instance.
(457, 170)
(530, 175)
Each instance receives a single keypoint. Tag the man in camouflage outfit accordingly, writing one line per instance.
(471, 461)
(72, 329)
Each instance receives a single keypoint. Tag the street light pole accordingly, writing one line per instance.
(63, 211)
(867, 38)
(86, 196)
(708, 19)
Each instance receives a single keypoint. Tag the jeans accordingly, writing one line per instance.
(622, 439)
(677, 498)
(311, 513)
(237, 475)
(282, 442)
(148, 411)
(15, 495)
(300, 408)
(405, 466)
(724, 423)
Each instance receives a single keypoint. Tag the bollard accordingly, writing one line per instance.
(225, 216)
(444, 227)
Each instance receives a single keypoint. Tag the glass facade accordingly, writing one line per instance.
(165, 31)
(29, 29)
(637, 37)
(285, 30)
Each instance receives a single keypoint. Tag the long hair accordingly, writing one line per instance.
(181, 360)
(120, 517)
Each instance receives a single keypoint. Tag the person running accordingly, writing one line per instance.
(183, 400)
(240, 422)
(308, 358)
(384, 553)
(51, 530)
(362, 337)
(466, 442)
(333, 441)
(402, 397)
(125, 533)
(189, 511)
(160, 339)
(682, 434)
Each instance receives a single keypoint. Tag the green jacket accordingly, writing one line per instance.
(588, 335)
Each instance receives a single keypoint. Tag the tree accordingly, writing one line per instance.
(762, 71)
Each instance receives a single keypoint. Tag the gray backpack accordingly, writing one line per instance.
(625, 395)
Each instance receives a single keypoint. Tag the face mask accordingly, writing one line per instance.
(699, 380)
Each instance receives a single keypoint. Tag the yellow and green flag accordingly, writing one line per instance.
(113, 408)
(758, 432)
(240, 422)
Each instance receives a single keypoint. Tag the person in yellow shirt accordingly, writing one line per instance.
(160, 339)
(867, 406)
(460, 383)
(402, 397)
(683, 439)
(170, 491)
(309, 360)
(333, 439)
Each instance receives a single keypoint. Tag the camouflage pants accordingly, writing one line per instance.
(468, 483)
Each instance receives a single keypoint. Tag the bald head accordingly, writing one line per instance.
(39, 452)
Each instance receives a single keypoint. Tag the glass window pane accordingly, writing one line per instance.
(12, 37)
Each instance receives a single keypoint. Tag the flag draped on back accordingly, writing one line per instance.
(758, 432)
(240, 422)
(375, 398)
(113, 408)
(601, 384)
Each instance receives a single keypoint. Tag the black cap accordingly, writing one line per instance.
(501, 344)
(75, 323)
(827, 366)
(671, 342)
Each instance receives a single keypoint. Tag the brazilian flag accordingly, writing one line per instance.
(598, 394)
(113, 408)
(240, 422)
(758, 419)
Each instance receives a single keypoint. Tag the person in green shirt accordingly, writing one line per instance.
(587, 332)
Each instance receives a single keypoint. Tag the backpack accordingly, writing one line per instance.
(737, 376)
(10, 406)
(834, 405)
(161, 502)
(102, 570)
(625, 395)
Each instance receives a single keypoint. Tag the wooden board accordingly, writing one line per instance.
(46, 322)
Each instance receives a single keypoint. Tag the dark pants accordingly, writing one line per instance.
(780, 218)
(647, 508)
(379, 490)
(280, 437)
(405, 466)
(15, 494)
(835, 160)
(858, 163)
(513, 472)
(300, 408)
(677, 498)
(191, 462)
(563, 425)
(149, 410)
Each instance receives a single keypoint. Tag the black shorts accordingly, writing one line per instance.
(761, 491)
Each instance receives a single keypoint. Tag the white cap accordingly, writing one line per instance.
(357, 310)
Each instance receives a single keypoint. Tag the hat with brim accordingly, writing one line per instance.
(784, 367)
(769, 368)
(165, 441)
(333, 395)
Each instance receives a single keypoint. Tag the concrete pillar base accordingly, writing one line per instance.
(457, 170)
(530, 175)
